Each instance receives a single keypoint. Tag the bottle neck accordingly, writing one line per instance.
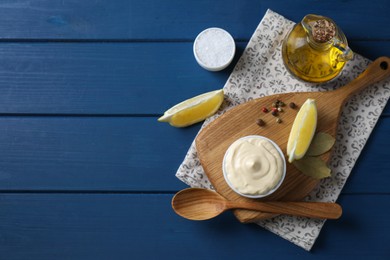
(319, 46)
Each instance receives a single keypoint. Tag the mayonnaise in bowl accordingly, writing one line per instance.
(254, 166)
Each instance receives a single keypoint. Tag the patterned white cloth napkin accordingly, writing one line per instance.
(260, 72)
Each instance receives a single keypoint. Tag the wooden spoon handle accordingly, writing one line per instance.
(323, 210)
(378, 70)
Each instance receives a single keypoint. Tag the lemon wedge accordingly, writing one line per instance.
(302, 131)
(193, 110)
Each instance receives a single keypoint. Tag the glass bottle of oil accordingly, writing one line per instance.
(316, 50)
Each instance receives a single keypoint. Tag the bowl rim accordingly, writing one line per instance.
(215, 68)
(258, 195)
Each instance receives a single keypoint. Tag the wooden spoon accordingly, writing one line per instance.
(202, 204)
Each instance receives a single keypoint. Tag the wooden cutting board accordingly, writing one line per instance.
(213, 141)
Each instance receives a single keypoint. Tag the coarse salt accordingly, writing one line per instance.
(214, 49)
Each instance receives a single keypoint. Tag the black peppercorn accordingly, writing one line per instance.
(260, 122)
(292, 105)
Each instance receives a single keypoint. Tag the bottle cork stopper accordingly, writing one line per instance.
(323, 31)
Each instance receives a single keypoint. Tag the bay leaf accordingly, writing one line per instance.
(322, 143)
(313, 167)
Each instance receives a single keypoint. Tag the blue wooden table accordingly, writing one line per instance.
(86, 172)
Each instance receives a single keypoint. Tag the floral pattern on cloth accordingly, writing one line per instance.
(260, 72)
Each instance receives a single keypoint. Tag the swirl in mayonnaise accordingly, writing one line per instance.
(253, 166)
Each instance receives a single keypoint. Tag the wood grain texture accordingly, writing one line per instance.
(213, 141)
(109, 78)
(71, 153)
(143, 226)
(156, 20)
(129, 154)
(204, 204)
(89, 176)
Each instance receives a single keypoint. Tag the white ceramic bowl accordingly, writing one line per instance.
(257, 195)
(214, 49)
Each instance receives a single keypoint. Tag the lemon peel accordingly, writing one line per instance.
(302, 131)
(194, 110)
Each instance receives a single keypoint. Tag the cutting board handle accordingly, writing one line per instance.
(378, 70)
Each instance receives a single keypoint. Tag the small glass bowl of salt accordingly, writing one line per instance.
(214, 49)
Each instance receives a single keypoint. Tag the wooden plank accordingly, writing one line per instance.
(109, 78)
(370, 49)
(143, 226)
(76, 153)
(151, 19)
(370, 171)
(128, 154)
(100, 78)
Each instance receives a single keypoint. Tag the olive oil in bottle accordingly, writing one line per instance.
(315, 50)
